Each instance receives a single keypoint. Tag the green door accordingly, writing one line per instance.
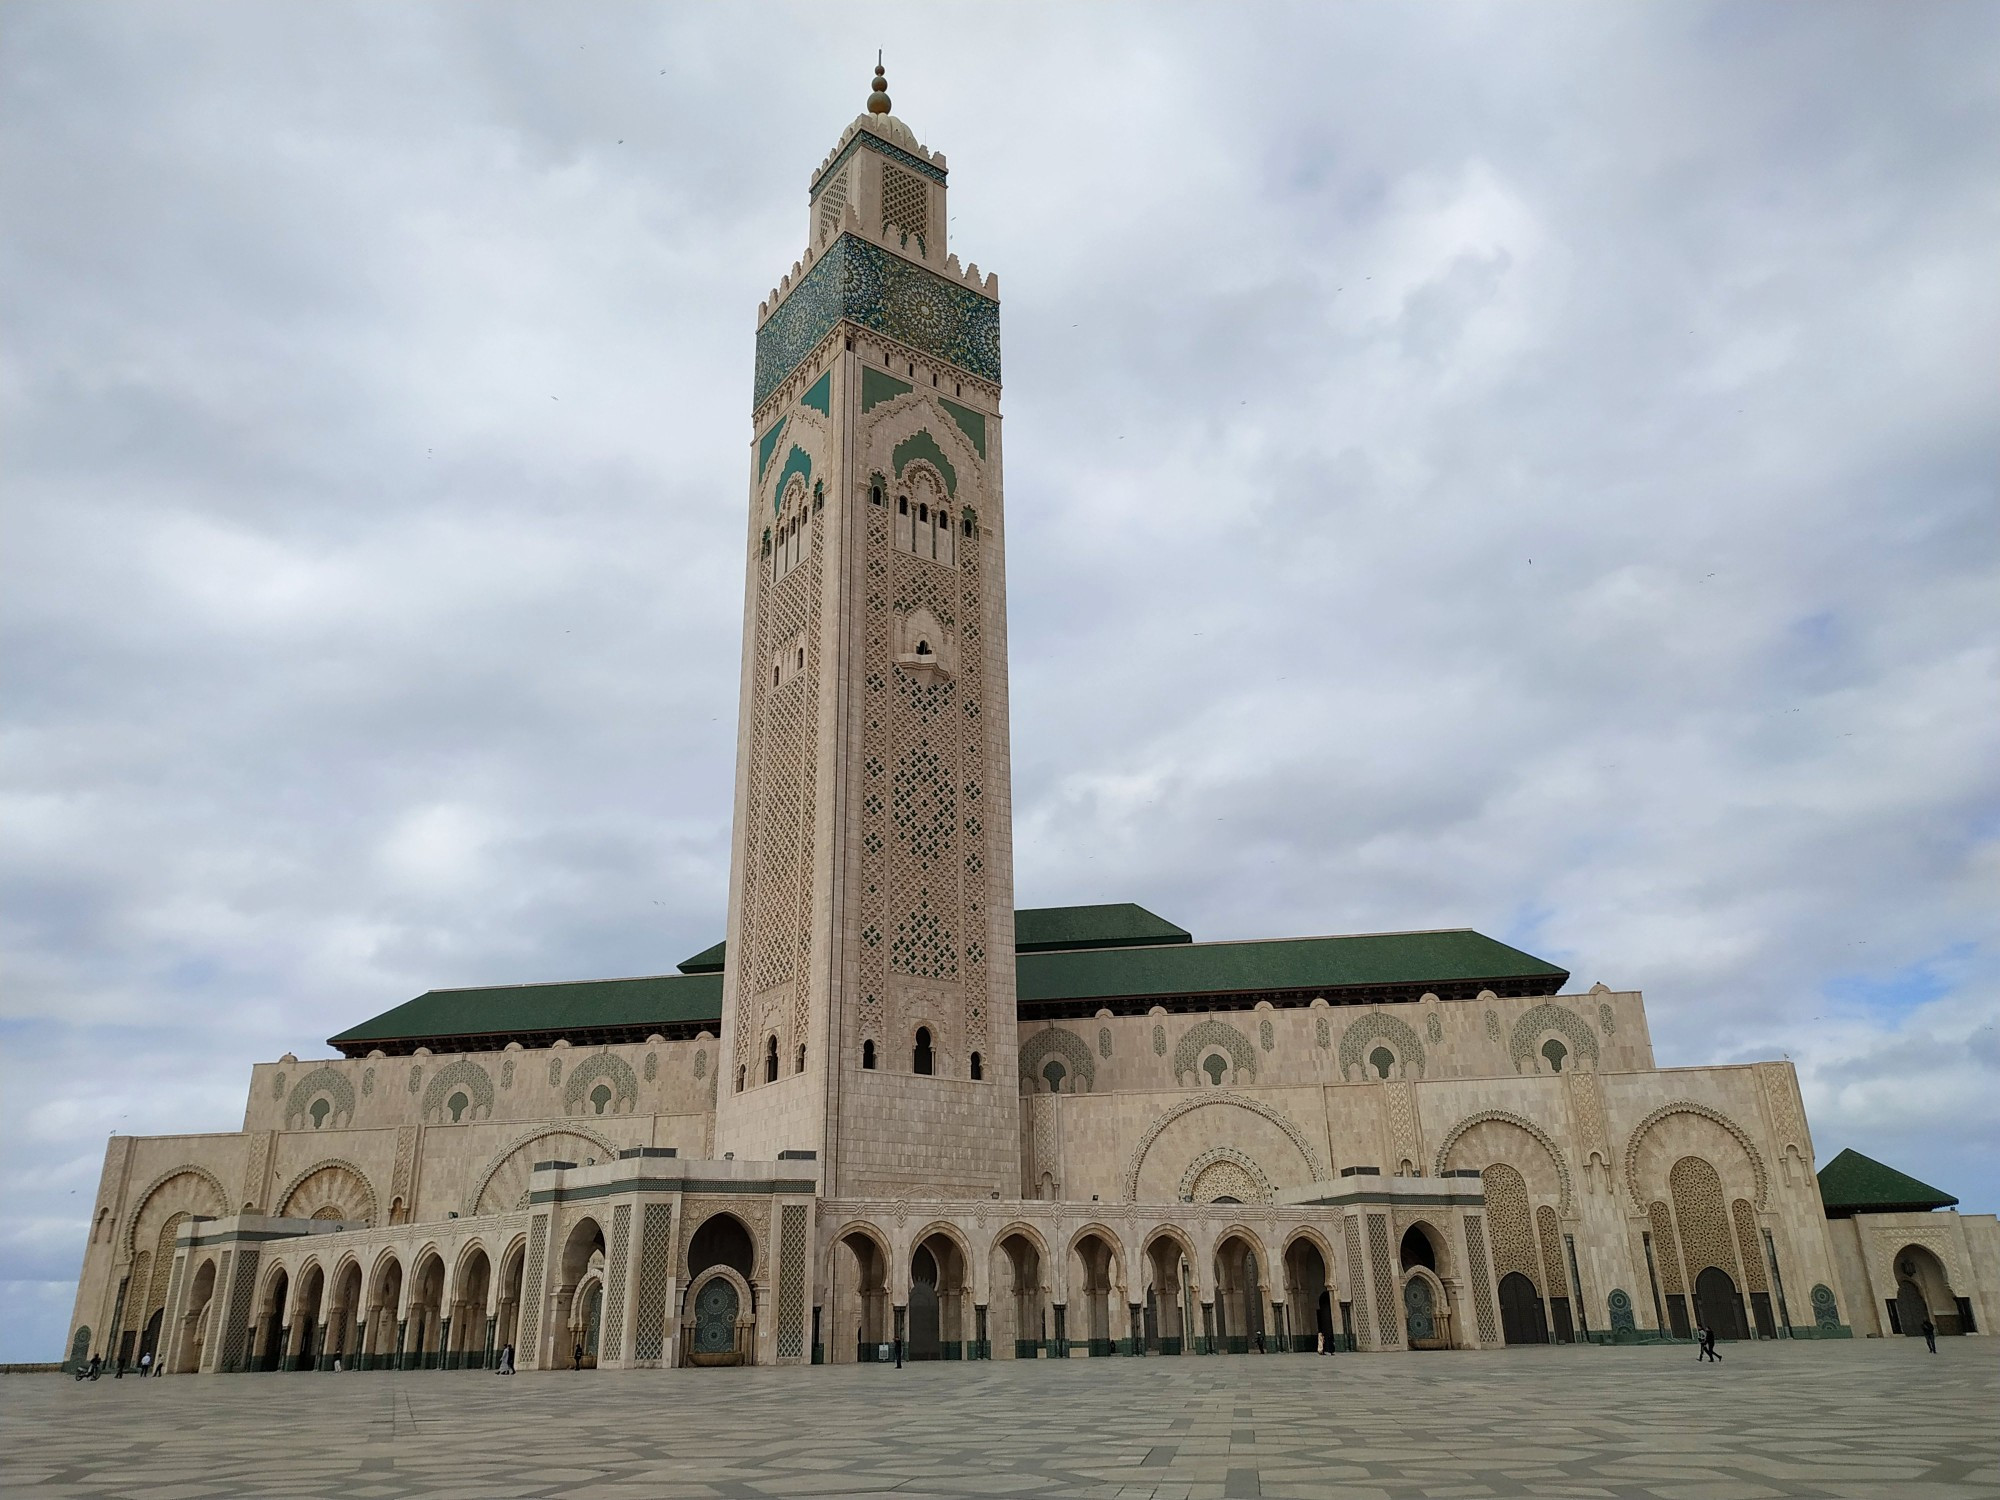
(715, 1318)
(1419, 1305)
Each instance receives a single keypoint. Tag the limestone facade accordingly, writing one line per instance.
(864, 1143)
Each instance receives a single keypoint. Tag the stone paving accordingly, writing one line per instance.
(1867, 1419)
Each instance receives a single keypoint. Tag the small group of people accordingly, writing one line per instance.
(1705, 1346)
(95, 1368)
(506, 1364)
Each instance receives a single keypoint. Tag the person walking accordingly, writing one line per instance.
(577, 1356)
(1708, 1345)
(1321, 1349)
(96, 1365)
(145, 1363)
(507, 1360)
(1930, 1335)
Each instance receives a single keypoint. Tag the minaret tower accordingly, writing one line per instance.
(868, 1010)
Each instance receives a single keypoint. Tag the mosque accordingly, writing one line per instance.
(891, 1109)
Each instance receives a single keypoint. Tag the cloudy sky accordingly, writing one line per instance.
(1529, 468)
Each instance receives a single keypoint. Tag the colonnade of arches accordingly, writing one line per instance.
(1235, 1299)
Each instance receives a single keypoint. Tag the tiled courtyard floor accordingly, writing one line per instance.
(1871, 1419)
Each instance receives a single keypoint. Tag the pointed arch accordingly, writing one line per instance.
(516, 1161)
(218, 1195)
(331, 1180)
(1508, 1117)
(1689, 1107)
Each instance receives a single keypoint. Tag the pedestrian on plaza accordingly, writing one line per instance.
(1260, 1341)
(578, 1357)
(96, 1365)
(119, 1372)
(507, 1360)
(1322, 1342)
(1930, 1335)
(145, 1364)
(1708, 1345)
(899, 1354)
(336, 1364)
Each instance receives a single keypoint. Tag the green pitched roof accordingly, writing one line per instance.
(1070, 957)
(1120, 924)
(1855, 1184)
(1321, 963)
(534, 1014)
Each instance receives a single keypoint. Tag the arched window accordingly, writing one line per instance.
(321, 1109)
(1053, 1075)
(770, 1059)
(774, 674)
(867, 1054)
(802, 1059)
(1214, 1065)
(978, 1068)
(819, 495)
(1382, 1060)
(922, 1061)
(739, 1080)
(600, 1097)
(802, 657)
(968, 525)
(875, 495)
(902, 505)
(456, 1104)
(1555, 1052)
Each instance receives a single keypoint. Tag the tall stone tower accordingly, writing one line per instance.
(868, 1009)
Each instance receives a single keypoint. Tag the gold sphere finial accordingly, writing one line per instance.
(878, 93)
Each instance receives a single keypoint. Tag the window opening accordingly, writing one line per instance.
(321, 1109)
(774, 674)
(875, 495)
(968, 526)
(770, 1060)
(739, 1080)
(923, 512)
(1213, 1066)
(1054, 1074)
(921, 1062)
(978, 1069)
(457, 1103)
(1555, 1052)
(802, 656)
(600, 1097)
(801, 1066)
(1381, 1060)
(868, 1054)
(923, 648)
(902, 505)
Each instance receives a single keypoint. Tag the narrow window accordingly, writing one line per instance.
(944, 519)
(1382, 1060)
(968, 526)
(868, 1054)
(802, 657)
(875, 495)
(771, 1060)
(739, 1080)
(774, 674)
(801, 1067)
(921, 1063)
(923, 512)
(978, 1068)
(902, 505)
(1054, 1073)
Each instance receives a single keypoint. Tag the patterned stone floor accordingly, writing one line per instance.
(1867, 1419)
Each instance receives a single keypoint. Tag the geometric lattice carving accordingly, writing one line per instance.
(186, 1189)
(1620, 1303)
(1222, 1172)
(503, 1184)
(1388, 1325)
(1513, 1230)
(1666, 1256)
(656, 1265)
(339, 1093)
(1689, 1107)
(1129, 1179)
(1357, 1272)
(1826, 1312)
(1542, 1137)
(1542, 1019)
(1380, 1026)
(330, 1189)
(461, 1075)
(1746, 1245)
(1698, 1213)
(1067, 1045)
(905, 202)
(236, 1331)
(791, 1281)
(615, 1072)
(531, 1285)
(1206, 1034)
(1482, 1281)
(612, 1343)
(1555, 1282)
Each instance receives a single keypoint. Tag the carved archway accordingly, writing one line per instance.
(1508, 1117)
(512, 1156)
(317, 1188)
(219, 1205)
(1130, 1180)
(1688, 1107)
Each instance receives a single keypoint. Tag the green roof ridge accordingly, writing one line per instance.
(1861, 1184)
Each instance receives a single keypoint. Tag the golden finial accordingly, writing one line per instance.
(878, 95)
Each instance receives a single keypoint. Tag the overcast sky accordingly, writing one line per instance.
(1530, 468)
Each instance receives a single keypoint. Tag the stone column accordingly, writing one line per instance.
(1207, 1344)
(322, 1360)
(1135, 1328)
(1061, 1346)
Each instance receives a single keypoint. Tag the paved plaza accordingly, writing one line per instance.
(1868, 1419)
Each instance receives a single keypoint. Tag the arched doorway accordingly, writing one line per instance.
(1418, 1250)
(860, 1296)
(1521, 1318)
(423, 1335)
(723, 1242)
(1420, 1310)
(380, 1347)
(1239, 1298)
(1718, 1305)
(1307, 1292)
(343, 1323)
(1923, 1292)
(1094, 1275)
(194, 1322)
(468, 1312)
(268, 1334)
(1022, 1312)
(507, 1324)
(1167, 1297)
(582, 1263)
(304, 1352)
(938, 1295)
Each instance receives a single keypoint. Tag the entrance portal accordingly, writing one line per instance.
(1521, 1317)
(1717, 1304)
(1419, 1311)
(715, 1310)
